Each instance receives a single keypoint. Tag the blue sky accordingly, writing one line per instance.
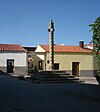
(26, 22)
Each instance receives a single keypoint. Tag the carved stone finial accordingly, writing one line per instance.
(51, 26)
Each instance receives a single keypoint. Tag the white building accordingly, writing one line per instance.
(13, 59)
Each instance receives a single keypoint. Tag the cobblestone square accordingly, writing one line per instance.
(23, 96)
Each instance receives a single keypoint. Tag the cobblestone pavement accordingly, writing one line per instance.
(23, 96)
(88, 80)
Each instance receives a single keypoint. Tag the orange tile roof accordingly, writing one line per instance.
(11, 47)
(61, 48)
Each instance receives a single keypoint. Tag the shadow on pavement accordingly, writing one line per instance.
(17, 96)
(3, 73)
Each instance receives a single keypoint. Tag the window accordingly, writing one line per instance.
(56, 66)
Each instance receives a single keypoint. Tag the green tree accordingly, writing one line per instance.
(95, 28)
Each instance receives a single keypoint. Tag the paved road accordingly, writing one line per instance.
(24, 96)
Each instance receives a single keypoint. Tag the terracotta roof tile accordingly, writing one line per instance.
(61, 48)
(11, 47)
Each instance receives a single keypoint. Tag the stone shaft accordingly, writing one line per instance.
(51, 44)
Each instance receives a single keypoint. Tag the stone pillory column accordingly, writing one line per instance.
(51, 44)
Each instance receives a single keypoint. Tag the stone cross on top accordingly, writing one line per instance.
(51, 26)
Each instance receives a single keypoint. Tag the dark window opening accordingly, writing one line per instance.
(56, 66)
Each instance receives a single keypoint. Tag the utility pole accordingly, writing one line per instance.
(51, 44)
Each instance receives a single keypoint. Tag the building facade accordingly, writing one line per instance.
(32, 59)
(13, 59)
(76, 60)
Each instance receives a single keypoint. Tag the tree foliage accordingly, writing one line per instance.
(96, 34)
(95, 28)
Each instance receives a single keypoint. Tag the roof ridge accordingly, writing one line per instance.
(11, 47)
(63, 48)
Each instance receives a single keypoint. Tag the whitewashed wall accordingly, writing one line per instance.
(39, 50)
(89, 47)
(19, 58)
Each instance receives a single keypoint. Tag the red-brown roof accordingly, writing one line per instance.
(11, 47)
(61, 48)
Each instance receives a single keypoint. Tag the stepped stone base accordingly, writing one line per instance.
(53, 76)
(53, 72)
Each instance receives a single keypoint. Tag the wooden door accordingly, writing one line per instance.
(75, 68)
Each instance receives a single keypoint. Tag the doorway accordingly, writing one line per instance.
(40, 65)
(10, 65)
(75, 68)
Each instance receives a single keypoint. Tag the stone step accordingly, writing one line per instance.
(54, 78)
(55, 72)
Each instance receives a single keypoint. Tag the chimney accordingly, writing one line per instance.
(81, 44)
